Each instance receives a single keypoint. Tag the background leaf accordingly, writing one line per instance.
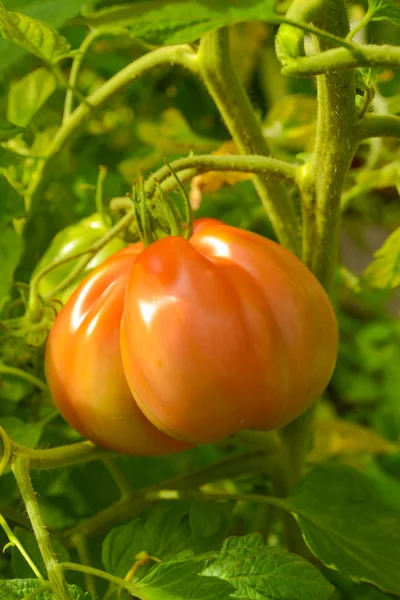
(384, 271)
(180, 21)
(261, 573)
(349, 525)
(33, 35)
(28, 95)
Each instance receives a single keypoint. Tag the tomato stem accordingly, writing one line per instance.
(55, 573)
(235, 108)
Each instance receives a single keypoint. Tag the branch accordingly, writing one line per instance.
(340, 59)
(63, 456)
(373, 125)
(195, 165)
(54, 571)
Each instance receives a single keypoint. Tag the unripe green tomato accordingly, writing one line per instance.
(68, 242)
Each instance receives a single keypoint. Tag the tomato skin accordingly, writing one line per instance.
(84, 369)
(72, 240)
(226, 331)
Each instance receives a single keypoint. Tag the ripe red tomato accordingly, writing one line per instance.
(226, 331)
(84, 369)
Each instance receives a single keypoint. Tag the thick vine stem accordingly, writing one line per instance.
(174, 55)
(63, 456)
(55, 573)
(374, 125)
(236, 110)
(335, 146)
(195, 165)
(321, 188)
(340, 59)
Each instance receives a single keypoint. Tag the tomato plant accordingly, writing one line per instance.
(199, 336)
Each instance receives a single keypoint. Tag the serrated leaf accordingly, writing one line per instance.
(17, 589)
(384, 271)
(52, 12)
(349, 525)
(9, 130)
(178, 578)
(167, 531)
(258, 572)
(385, 9)
(33, 35)
(180, 21)
(28, 95)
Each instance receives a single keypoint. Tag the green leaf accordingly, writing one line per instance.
(261, 573)
(349, 525)
(33, 35)
(8, 158)
(10, 254)
(180, 21)
(167, 531)
(28, 95)
(17, 589)
(178, 578)
(384, 271)
(26, 434)
(385, 9)
(9, 130)
(11, 203)
(52, 12)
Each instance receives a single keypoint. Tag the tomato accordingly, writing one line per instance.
(72, 240)
(84, 369)
(226, 331)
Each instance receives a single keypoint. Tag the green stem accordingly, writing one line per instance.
(360, 25)
(126, 585)
(374, 125)
(6, 370)
(182, 55)
(76, 65)
(321, 189)
(39, 590)
(119, 478)
(238, 115)
(54, 571)
(340, 59)
(80, 544)
(335, 146)
(63, 456)
(14, 541)
(167, 494)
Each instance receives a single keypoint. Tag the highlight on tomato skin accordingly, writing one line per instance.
(226, 331)
(84, 369)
